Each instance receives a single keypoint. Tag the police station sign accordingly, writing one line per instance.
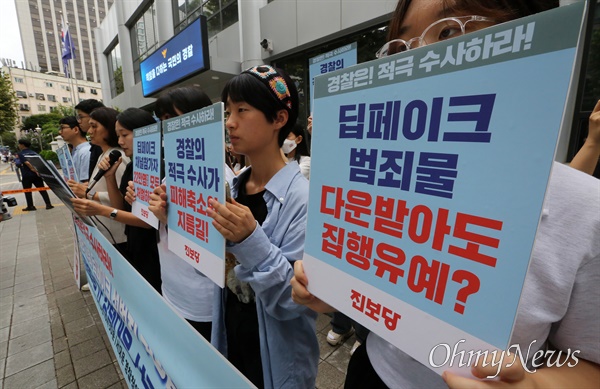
(184, 55)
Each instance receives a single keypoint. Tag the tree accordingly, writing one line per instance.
(9, 140)
(8, 104)
(48, 122)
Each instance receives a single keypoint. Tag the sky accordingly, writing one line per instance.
(10, 37)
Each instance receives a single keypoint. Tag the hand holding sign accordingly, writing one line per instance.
(158, 203)
(233, 220)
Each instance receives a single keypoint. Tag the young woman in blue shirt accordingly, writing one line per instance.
(268, 337)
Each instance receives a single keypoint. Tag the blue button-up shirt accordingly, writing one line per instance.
(288, 343)
(81, 161)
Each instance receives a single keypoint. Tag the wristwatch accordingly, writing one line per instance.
(113, 214)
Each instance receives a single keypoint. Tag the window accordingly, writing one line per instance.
(93, 91)
(115, 71)
(144, 38)
(66, 87)
(23, 118)
(52, 98)
(296, 65)
(49, 84)
(24, 107)
(21, 94)
(53, 109)
(220, 14)
(40, 96)
(41, 108)
(80, 89)
(66, 99)
(19, 80)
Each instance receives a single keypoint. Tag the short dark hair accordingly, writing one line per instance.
(248, 88)
(25, 142)
(107, 117)
(89, 105)
(185, 99)
(133, 118)
(72, 122)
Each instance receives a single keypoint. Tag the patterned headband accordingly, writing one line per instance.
(274, 81)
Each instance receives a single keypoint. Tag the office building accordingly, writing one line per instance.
(40, 93)
(40, 24)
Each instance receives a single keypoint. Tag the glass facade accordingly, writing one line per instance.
(144, 38)
(368, 42)
(220, 14)
(590, 86)
(115, 71)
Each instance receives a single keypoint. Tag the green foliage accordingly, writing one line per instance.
(49, 155)
(65, 110)
(8, 104)
(9, 139)
(119, 86)
(48, 122)
(42, 120)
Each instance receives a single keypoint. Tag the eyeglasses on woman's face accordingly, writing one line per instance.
(437, 31)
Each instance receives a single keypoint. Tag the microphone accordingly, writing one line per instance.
(113, 157)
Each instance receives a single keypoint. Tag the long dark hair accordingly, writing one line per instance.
(108, 118)
(500, 10)
(133, 118)
(247, 88)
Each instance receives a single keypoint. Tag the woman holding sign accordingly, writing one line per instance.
(556, 315)
(102, 133)
(141, 246)
(268, 337)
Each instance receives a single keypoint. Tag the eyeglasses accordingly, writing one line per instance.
(81, 117)
(440, 30)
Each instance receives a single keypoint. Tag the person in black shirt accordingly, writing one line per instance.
(30, 176)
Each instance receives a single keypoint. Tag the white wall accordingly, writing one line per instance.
(293, 24)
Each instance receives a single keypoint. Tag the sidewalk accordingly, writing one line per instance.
(51, 335)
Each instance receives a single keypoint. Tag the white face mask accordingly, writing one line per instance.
(288, 146)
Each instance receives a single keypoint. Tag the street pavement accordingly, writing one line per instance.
(51, 335)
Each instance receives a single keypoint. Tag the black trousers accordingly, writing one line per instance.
(28, 181)
(360, 373)
(243, 341)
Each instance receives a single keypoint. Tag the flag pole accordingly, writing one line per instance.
(68, 54)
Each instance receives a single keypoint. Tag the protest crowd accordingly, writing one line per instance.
(263, 319)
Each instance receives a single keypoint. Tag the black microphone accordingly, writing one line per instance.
(113, 157)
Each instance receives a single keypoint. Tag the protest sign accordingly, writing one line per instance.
(194, 169)
(66, 163)
(426, 213)
(56, 182)
(154, 346)
(69, 173)
(146, 170)
(337, 59)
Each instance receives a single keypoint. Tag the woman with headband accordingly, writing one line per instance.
(268, 337)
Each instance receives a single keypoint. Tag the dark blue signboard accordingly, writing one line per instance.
(183, 56)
